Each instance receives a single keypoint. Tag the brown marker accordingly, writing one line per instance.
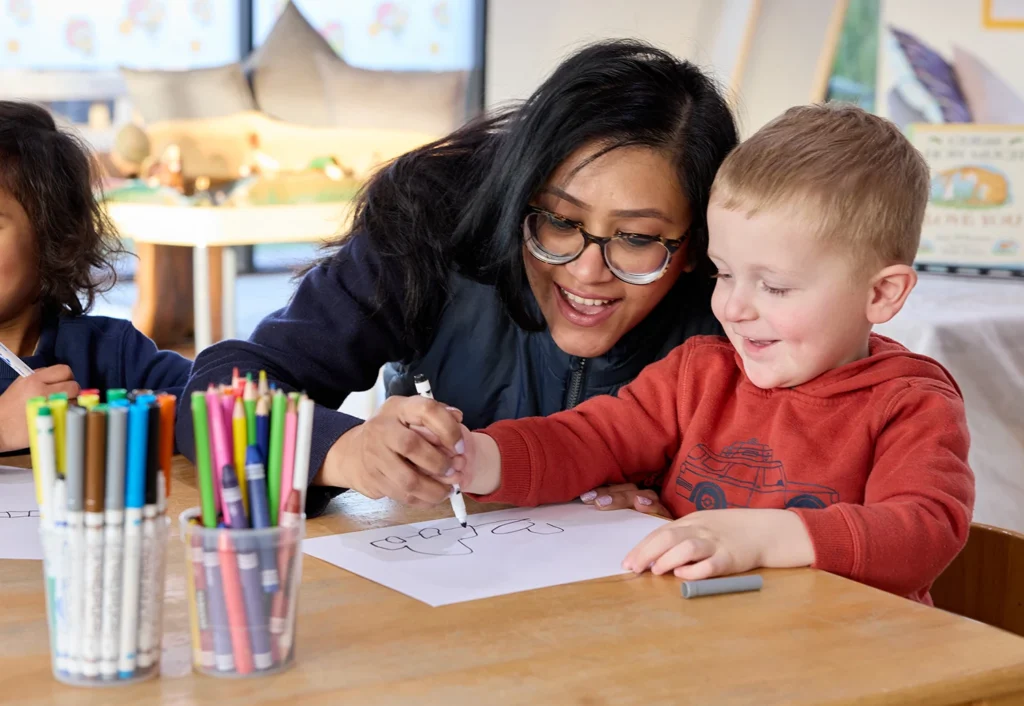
(95, 477)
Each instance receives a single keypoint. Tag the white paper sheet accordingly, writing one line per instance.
(500, 552)
(19, 515)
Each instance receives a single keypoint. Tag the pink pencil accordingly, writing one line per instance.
(219, 447)
(291, 423)
(227, 404)
(235, 604)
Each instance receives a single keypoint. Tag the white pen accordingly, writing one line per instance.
(47, 467)
(146, 651)
(61, 572)
(16, 363)
(458, 502)
(74, 482)
(95, 456)
(113, 537)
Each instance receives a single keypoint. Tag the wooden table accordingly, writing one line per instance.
(210, 234)
(807, 637)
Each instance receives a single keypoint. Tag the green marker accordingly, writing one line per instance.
(276, 453)
(116, 394)
(208, 499)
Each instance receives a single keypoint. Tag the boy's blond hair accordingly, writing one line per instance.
(852, 173)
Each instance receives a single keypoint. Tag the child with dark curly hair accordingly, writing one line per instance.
(56, 254)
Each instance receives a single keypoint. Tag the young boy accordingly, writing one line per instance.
(802, 439)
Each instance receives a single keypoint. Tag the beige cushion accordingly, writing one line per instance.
(284, 71)
(199, 93)
(425, 101)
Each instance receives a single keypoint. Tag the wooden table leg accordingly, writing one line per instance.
(163, 306)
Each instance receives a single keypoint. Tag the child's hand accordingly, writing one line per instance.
(626, 495)
(722, 542)
(42, 383)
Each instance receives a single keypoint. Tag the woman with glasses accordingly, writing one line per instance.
(528, 261)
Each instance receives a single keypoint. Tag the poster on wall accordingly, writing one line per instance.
(975, 217)
(952, 81)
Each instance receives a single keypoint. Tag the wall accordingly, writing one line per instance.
(526, 39)
(783, 64)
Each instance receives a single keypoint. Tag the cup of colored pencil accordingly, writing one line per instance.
(102, 475)
(243, 544)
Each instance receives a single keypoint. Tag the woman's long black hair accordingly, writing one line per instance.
(458, 203)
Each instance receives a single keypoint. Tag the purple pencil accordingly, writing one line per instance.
(223, 655)
(249, 570)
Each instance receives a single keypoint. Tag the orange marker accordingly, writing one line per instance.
(166, 448)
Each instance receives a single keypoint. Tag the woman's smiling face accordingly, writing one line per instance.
(627, 190)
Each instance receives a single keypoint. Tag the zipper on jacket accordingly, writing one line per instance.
(572, 396)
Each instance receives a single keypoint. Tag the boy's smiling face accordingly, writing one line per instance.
(792, 306)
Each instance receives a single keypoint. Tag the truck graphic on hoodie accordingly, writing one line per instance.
(712, 481)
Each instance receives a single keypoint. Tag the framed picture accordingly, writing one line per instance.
(975, 218)
(1002, 14)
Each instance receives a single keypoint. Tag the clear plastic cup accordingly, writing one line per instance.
(104, 600)
(243, 588)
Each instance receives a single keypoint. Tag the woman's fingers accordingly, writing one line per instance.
(435, 417)
(648, 502)
(410, 447)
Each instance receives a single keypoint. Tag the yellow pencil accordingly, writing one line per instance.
(240, 436)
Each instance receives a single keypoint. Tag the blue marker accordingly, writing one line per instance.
(256, 477)
(134, 500)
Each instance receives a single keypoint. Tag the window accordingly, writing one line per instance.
(414, 35)
(103, 34)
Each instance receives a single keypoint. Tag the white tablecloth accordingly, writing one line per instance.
(975, 328)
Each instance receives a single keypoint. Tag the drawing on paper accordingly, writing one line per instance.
(18, 514)
(434, 541)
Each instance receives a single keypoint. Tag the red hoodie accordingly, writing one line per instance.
(872, 455)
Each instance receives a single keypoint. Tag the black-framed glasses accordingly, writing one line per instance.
(634, 258)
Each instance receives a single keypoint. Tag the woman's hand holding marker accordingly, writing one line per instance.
(411, 451)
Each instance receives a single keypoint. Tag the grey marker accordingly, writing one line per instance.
(117, 443)
(729, 584)
(74, 457)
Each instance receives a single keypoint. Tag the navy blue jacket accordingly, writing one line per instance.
(103, 353)
(334, 336)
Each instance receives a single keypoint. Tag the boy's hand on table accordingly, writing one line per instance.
(626, 495)
(42, 383)
(722, 542)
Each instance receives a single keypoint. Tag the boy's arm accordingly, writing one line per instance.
(917, 503)
(146, 367)
(626, 438)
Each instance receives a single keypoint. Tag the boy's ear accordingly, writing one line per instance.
(890, 288)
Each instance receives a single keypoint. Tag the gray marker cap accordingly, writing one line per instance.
(729, 584)
(117, 449)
